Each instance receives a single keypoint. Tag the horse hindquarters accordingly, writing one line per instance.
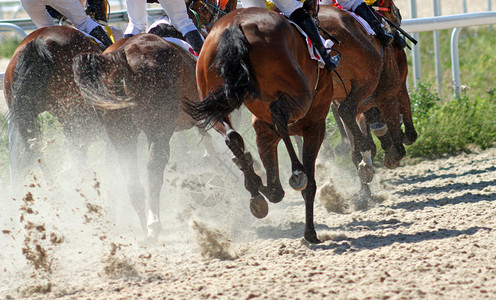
(32, 73)
(230, 54)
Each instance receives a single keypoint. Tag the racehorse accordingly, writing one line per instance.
(138, 85)
(257, 58)
(39, 79)
(371, 89)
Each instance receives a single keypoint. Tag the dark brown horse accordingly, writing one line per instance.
(256, 57)
(39, 79)
(137, 85)
(373, 89)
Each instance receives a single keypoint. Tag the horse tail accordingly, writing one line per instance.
(32, 74)
(232, 61)
(90, 74)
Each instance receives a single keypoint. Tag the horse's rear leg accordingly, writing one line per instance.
(280, 119)
(267, 141)
(244, 161)
(158, 156)
(16, 170)
(125, 141)
(312, 140)
(24, 150)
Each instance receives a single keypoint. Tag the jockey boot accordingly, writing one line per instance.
(99, 33)
(399, 41)
(54, 13)
(303, 19)
(195, 39)
(97, 9)
(364, 11)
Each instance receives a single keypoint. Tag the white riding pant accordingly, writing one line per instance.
(178, 14)
(346, 4)
(287, 7)
(138, 16)
(175, 9)
(72, 9)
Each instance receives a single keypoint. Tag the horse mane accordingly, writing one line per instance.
(90, 73)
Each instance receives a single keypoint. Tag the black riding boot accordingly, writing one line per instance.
(99, 33)
(363, 10)
(195, 39)
(303, 19)
(97, 9)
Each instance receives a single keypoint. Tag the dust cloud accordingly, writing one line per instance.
(81, 225)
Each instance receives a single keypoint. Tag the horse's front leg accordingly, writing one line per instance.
(362, 146)
(312, 140)
(244, 161)
(158, 156)
(395, 150)
(267, 141)
(406, 112)
(344, 146)
(280, 118)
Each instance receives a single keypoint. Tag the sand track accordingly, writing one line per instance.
(431, 236)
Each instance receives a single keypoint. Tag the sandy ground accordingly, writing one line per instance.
(430, 233)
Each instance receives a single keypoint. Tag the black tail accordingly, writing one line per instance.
(232, 62)
(90, 72)
(31, 76)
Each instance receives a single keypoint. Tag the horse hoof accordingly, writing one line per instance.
(379, 129)
(390, 164)
(298, 180)
(154, 229)
(311, 237)
(365, 172)
(259, 207)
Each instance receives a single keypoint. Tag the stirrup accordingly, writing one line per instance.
(385, 38)
(331, 62)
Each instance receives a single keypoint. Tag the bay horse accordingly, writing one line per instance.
(371, 89)
(39, 79)
(257, 58)
(138, 85)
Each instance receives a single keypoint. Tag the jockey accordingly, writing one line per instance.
(177, 13)
(294, 9)
(72, 9)
(361, 8)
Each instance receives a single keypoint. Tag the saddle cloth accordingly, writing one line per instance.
(184, 45)
(359, 19)
(178, 42)
(314, 54)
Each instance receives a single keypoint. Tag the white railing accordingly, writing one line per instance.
(455, 22)
(415, 26)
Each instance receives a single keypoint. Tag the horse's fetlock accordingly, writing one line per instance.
(243, 161)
